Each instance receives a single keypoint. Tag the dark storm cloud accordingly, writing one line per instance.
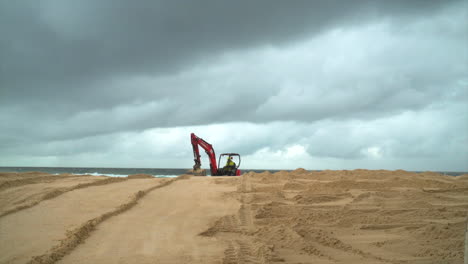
(57, 48)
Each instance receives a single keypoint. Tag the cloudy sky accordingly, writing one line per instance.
(319, 84)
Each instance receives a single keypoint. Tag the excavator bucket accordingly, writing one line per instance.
(197, 172)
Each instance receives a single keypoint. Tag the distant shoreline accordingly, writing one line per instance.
(153, 171)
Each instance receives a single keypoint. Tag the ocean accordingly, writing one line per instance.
(113, 172)
(124, 172)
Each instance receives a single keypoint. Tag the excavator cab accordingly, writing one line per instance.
(230, 169)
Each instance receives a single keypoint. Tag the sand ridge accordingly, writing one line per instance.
(52, 190)
(10, 180)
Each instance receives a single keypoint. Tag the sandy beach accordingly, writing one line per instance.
(358, 216)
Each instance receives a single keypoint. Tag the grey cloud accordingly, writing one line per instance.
(56, 48)
(410, 138)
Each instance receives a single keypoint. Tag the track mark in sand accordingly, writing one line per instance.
(231, 255)
(242, 247)
(246, 185)
(33, 180)
(60, 191)
(245, 215)
(243, 252)
(245, 212)
(240, 223)
(444, 190)
(250, 253)
(80, 234)
(323, 240)
(228, 224)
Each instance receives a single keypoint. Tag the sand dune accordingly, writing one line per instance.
(355, 216)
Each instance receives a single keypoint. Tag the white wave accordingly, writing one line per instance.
(101, 174)
(165, 176)
(118, 175)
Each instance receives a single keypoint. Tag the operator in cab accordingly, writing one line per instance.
(230, 168)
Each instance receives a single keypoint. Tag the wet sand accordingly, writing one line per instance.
(355, 216)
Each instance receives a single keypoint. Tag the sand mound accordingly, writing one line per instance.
(452, 246)
(299, 171)
(463, 177)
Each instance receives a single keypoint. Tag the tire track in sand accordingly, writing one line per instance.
(60, 191)
(33, 180)
(80, 234)
(245, 212)
(242, 248)
(245, 249)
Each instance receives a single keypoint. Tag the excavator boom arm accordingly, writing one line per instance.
(196, 141)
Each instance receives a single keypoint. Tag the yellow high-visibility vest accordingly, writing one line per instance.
(230, 163)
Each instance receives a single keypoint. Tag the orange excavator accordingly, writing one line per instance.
(231, 168)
